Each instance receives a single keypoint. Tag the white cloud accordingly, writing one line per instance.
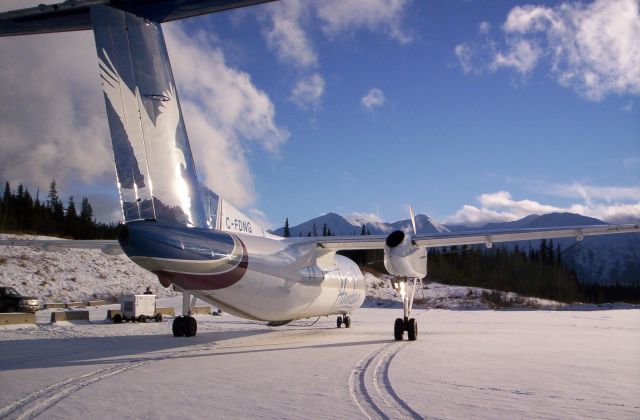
(590, 193)
(223, 111)
(259, 217)
(286, 36)
(308, 91)
(52, 117)
(501, 207)
(521, 56)
(374, 98)
(592, 49)
(484, 27)
(53, 122)
(358, 218)
(288, 22)
(343, 16)
(628, 107)
(464, 53)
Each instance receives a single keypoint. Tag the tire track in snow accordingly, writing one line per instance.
(41, 400)
(371, 388)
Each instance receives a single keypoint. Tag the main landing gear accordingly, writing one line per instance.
(410, 325)
(344, 319)
(185, 325)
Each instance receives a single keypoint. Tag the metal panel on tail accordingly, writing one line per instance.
(154, 166)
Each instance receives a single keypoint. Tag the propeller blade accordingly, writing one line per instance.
(413, 220)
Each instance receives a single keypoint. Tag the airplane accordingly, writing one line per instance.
(185, 233)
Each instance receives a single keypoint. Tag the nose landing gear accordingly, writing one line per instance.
(410, 325)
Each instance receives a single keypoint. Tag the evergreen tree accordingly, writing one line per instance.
(287, 233)
(86, 225)
(71, 219)
(363, 231)
(6, 205)
(324, 229)
(315, 229)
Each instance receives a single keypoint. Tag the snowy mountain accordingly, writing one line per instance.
(340, 226)
(336, 223)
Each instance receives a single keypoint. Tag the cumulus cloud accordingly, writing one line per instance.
(374, 98)
(224, 111)
(590, 48)
(521, 56)
(343, 16)
(501, 207)
(285, 35)
(287, 23)
(52, 117)
(53, 122)
(308, 91)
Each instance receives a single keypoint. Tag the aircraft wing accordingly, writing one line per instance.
(108, 246)
(488, 238)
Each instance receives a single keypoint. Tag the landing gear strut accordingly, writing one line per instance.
(185, 325)
(410, 325)
(344, 319)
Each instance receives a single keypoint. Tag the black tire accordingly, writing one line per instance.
(178, 326)
(347, 321)
(398, 329)
(117, 319)
(142, 319)
(339, 322)
(158, 317)
(412, 329)
(190, 326)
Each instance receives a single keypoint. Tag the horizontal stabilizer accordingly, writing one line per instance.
(74, 15)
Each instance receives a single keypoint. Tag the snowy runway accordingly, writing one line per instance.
(465, 364)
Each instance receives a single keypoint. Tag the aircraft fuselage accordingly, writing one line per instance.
(253, 277)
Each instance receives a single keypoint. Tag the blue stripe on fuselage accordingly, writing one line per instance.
(171, 241)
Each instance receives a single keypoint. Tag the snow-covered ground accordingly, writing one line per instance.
(465, 364)
(72, 274)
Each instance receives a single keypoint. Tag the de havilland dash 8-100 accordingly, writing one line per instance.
(188, 235)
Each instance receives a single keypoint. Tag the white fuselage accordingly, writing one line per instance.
(290, 279)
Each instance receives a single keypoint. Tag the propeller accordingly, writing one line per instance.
(413, 220)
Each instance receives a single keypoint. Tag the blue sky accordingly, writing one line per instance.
(470, 111)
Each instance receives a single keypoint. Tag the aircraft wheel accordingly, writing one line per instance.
(339, 322)
(398, 329)
(178, 326)
(190, 326)
(117, 319)
(412, 329)
(347, 321)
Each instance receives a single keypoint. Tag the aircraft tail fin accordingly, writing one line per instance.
(154, 166)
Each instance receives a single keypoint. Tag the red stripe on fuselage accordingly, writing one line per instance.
(208, 281)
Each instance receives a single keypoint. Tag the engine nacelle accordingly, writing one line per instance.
(403, 258)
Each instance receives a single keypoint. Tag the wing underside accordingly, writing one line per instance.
(480, 237)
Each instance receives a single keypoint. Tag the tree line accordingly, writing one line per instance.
(21, 212)
(536, 272)
(326, 230)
